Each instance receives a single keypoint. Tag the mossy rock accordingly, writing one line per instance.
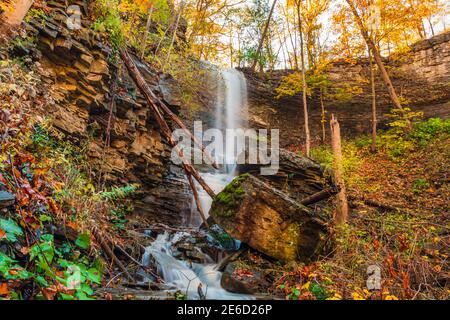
(268, 220)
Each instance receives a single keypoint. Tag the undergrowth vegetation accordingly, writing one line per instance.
(387, 254)
(47, 244)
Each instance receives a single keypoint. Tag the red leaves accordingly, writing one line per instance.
(3, 180)
(241, 273)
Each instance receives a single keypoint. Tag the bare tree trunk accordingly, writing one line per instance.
(322, 107)
(342, 204)
(147, 30)
(431, 26)
(164, 127)
(293, 43)
(15, 16)
(304, 85)
(173, 35)
(374, 105)
(263, 37)
(377, 57)
(197, 200)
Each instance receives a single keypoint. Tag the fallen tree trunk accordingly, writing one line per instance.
(180, 123)
(165, 130)
(319, 196)
(299, 177)
(269, 221)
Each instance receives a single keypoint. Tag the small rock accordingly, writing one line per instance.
(6, 199)
(184, 247)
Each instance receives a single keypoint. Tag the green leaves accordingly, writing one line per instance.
(318, 291)
(43, 252)
(83, 241)
(11, 229)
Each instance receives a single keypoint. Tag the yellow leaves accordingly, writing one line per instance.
(290, 85)
(336, 296)
(306, 286)
(390, 297)
(357, 296)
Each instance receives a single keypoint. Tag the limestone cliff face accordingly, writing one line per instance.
(422, 76)
(81, 74)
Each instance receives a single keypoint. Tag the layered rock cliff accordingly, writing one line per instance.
(122, 138)
(421, 77)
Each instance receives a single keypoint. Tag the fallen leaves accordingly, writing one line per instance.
(4, 289)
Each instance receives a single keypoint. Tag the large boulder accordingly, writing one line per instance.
(268, 220)
(298, 177)
(244, 280)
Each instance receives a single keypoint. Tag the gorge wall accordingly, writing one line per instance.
(81, 73)
(422, 76)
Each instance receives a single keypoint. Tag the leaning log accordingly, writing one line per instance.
(299, 177)
(165, 129)
(269, 221)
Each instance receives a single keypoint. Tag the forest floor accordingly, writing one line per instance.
(397, 239)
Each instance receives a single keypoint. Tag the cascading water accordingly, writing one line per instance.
(184, 276)
(230, 110)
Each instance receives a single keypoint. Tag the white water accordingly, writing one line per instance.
(184, 276)
(230, 109)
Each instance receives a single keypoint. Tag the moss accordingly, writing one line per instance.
(227, 202)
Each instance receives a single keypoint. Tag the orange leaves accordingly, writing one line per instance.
(50, 292)
(4, 289)
(2, 234)
(403, 241)
(25, 250)
(390, 264)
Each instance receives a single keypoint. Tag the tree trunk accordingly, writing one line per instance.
(173, 35)
(261, 41)
(305, 87)
(164, 127)
(374, 105)
(322, 107)
(342, 204)
(147, 30)
(197, 201)
(377, 57)
(14, 17)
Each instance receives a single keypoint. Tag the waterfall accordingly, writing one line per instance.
(187, 277)
(230, 112)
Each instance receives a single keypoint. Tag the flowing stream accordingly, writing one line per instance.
(182, 275)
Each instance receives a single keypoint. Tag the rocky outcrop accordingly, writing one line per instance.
(421, 77)
(269, 221)
(80, 71)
